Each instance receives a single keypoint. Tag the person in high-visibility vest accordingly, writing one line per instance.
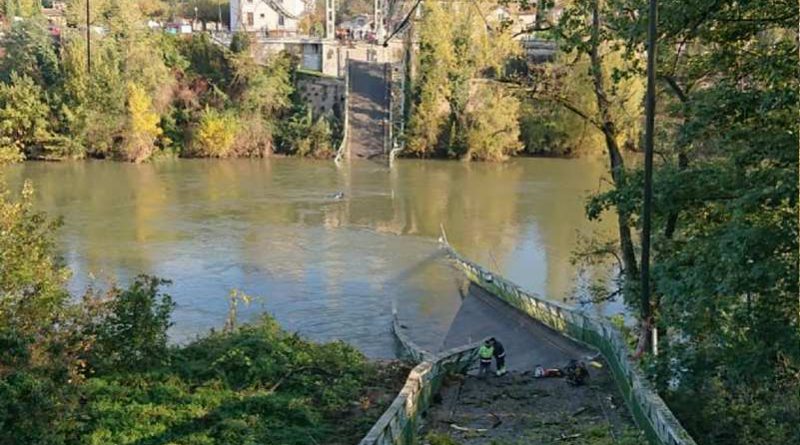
(499, 353)
(485, 354)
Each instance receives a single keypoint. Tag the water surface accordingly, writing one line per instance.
(327, 268)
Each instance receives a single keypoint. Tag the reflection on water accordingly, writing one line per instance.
(325, 267)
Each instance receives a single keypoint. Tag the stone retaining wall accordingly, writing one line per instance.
(648, 409)
(399, 423)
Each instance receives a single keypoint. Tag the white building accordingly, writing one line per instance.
(275, 18)
(358, 27)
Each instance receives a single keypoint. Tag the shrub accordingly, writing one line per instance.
(132, 335)
(304, 136)
(215, 134)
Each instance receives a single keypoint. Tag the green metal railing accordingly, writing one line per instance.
(648, 409)
(399, 423)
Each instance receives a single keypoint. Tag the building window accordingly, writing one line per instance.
(261, 15)
(281, 20)
(250, 20)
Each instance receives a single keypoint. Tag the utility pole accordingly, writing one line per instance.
(647, 209)
(88, 41)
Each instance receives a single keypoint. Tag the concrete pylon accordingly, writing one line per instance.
(380, 6)
(330, 19)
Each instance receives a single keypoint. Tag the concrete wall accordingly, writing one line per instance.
(648, 409)
(399, 424)
(324, 95)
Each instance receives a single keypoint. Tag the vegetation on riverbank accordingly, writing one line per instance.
(454, 115)
(148, 94)
(725, 229)
(724, 264)
(100, 370)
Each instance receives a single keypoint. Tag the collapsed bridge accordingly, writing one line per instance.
(534, 331)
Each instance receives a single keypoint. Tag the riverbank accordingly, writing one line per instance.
(259, 384)
(100, 369)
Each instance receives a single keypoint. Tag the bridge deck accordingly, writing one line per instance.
(517, 408)
(527, 342)
(368, 108)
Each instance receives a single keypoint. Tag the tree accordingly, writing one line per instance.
(142, 125)
(493, 125)
(304, 135)
(24, 128)
(131, 334)
(457, 47)
(725, 270)
(599, 64)
(37, 363)
(30, 52)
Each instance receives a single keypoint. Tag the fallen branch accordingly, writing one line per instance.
(468, 430)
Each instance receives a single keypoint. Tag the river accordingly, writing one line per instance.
(328, 268)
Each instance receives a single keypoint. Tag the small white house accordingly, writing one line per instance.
(275, 18)
(358, 27)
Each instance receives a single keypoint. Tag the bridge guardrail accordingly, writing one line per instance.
(398, 424)
(648, 409)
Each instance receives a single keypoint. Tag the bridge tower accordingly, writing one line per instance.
(330, 19)
(380, 7)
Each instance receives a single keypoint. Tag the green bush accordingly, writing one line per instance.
(305, 136)
(133, 333)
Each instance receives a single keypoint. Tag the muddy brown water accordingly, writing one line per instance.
(328, 268)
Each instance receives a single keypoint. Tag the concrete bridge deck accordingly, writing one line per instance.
(527, 342)
(368, 109)
(518, 408)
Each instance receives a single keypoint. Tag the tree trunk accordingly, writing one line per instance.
(617, 164)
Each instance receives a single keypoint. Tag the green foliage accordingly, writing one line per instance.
(548, 129)
(38, 356)
(434, 438)
(256, 384)
(305, 136)
(30, 52)
(31, 279)
(132, 333)
(147, 91)
(725, 228)
(493, 125)
(23, 116)
(451, 114)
